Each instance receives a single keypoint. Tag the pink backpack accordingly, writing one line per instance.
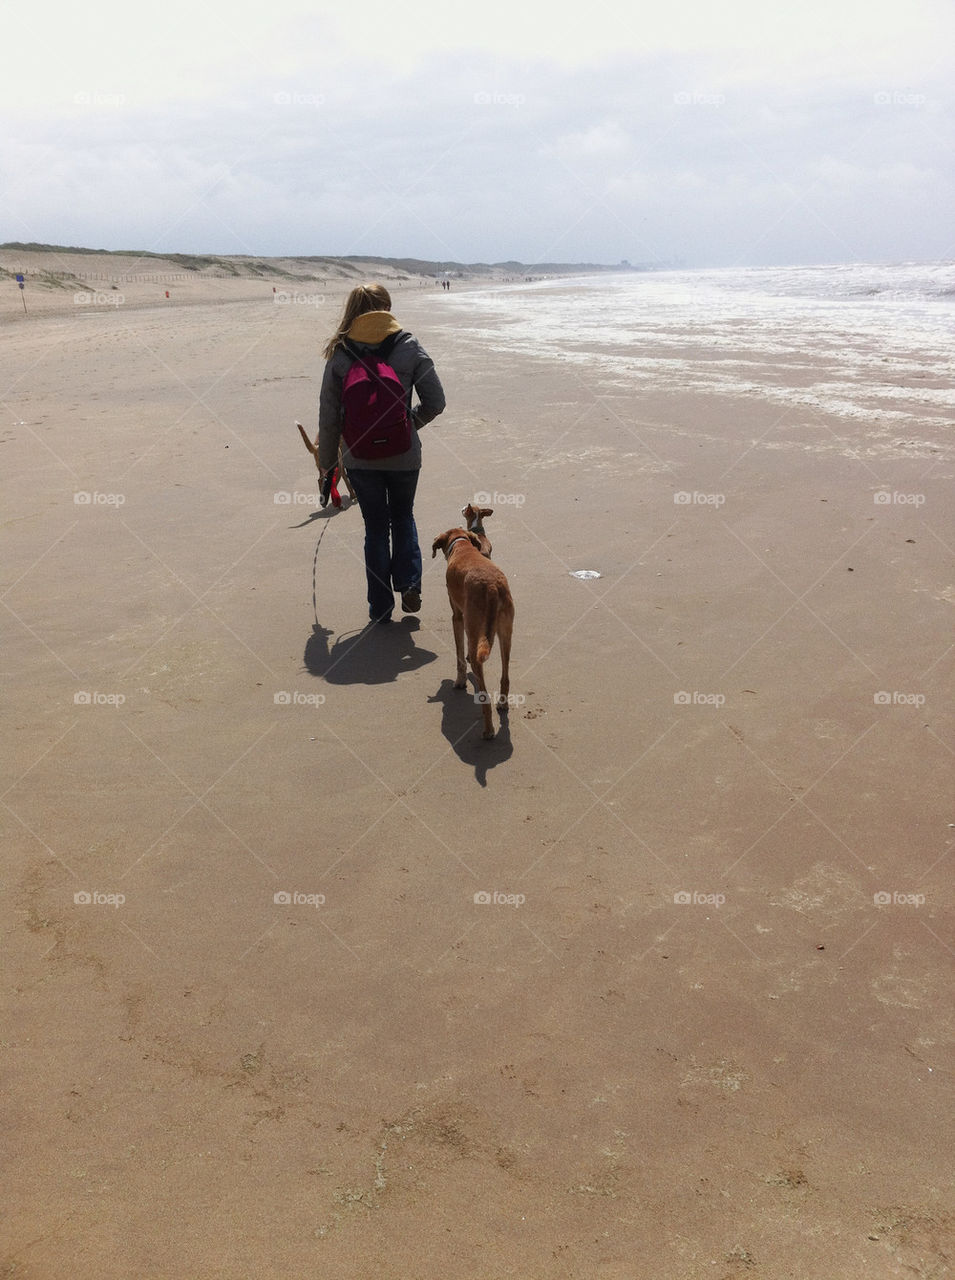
(376, 422)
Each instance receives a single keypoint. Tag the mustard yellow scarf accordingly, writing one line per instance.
(373, 327)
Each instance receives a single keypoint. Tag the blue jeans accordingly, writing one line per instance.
(392, 554)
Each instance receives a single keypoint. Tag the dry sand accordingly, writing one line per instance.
(598, 1081)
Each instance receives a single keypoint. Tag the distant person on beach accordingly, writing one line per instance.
(367, 345)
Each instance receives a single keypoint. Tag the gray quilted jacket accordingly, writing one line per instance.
(416, 370)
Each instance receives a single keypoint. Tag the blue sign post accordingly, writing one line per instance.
(23, 296)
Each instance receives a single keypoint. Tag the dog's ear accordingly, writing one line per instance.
(486, 511)
(475, 540)
(441, 541)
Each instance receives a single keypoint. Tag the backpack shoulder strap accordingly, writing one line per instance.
(386, 346)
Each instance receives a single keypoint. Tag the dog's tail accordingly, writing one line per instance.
(490, 626)
(308, 444)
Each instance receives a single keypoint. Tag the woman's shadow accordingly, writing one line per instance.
(376, 654)
(461, 724)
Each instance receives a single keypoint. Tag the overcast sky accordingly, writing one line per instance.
(714, 133)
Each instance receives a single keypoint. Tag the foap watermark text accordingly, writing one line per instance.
(285, 299)
(686, 898)
(98, 98)
(686, 98)
(494, 898)
(284, 499)
(293, 898)
(686, 698)
(896, 698)
(83, 698)
(484, 98)
(86, 499)
(484, 499)
(86, 299)
(892, 498)
(898, 98)
(683, 498)
(94, 898)
(494, 699)
(284, 698)
(295, 98)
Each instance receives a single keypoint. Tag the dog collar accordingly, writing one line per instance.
(447, 550)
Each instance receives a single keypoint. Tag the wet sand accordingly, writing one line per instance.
(683, 1038)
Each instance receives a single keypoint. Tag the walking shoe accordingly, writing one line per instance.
(411, 600)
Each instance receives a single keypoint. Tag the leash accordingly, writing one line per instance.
(318, 625)
(315, 572)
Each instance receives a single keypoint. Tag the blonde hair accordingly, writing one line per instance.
(364, 297)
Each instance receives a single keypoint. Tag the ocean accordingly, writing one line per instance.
(868, 342)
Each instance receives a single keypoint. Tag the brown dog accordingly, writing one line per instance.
(313, 450)
(482, 607)
(474, 518)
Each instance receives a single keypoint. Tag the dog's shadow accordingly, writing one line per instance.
(375, 655)
(462, 724)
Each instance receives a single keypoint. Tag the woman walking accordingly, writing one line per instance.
(372, 367)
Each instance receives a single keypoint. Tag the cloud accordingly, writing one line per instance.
(604, 140)
(322, 145)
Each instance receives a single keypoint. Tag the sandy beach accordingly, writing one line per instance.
(306, 979)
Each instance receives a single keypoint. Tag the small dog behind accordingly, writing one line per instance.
(481, 608)
(474, 518)
(342, 474)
